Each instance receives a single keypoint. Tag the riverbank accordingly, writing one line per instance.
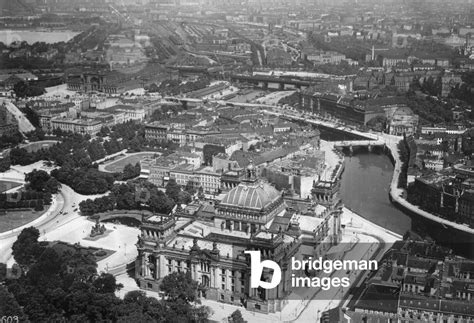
(396, 193)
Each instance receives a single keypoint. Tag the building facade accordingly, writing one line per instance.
(251, 216)
(401, 121)
(81, 126)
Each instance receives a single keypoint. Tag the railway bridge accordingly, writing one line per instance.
(264, 81)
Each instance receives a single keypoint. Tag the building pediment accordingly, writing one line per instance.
(204, 254)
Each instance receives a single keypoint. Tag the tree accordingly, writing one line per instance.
(58, 132)
(160, 202)
(130, 171)
(104, 131)
(9, 306)
(39, 206)
(52, 186)
(236, 317)
(106, 283)
(84, 180)
(32, 116)
(23, 89)
(3, 271)
(62, 285)
(20, 89)
(201, 313)
(189, 188)
(10, 140)
(173, 190)
(26, 248)
(184, 198)
(112, 146)
(88, 207)
(201, 195)
(20, 156)
(37, 179)
(4, 164)
(135, 296)
(179, 286)
(379, 123)
(36, 135)
(127, 201)
(211, 150)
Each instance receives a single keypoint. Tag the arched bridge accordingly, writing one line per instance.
(359, 143)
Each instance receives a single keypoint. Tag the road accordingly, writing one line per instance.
(61, 212)
(23, 123)
(309, 118)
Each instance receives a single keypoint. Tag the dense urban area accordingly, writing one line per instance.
(146, 145)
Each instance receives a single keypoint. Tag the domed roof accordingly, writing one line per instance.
(254, 195)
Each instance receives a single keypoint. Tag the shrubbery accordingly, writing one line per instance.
(85, 180)
(4, 164)
(11, 140)
(129, 196)
(28, 199)
(129, 172)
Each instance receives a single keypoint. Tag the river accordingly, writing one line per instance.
(365, 190)
(30, 36)
(365, 187)
(365, 184)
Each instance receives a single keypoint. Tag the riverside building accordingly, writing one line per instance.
(251, 216)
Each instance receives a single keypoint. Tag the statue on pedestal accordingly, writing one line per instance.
(97, 229)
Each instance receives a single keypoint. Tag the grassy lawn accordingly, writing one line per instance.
(117, 166)
(15, 219)
(7, 185)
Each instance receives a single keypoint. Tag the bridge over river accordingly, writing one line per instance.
(351, 144)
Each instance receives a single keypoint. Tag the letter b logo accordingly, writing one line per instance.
(256, 270)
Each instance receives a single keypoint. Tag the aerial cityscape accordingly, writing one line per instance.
(237, 161)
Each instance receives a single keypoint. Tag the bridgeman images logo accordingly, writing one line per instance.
(256, 270)
(327, 267)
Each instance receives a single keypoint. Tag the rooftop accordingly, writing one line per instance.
(256, 195)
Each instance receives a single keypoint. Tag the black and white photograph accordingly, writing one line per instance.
(237, 161)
